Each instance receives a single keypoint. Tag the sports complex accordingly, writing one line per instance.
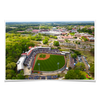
(42, 60)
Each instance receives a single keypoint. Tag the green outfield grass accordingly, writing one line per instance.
(50, 64)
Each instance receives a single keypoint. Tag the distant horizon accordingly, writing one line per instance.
(45, 21)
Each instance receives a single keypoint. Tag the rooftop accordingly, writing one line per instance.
(20, 63)
(35, 31)
(67, 37)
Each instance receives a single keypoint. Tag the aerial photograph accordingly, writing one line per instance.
(55, 50)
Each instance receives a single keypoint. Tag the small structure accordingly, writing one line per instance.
(24, 54)
(30, 47)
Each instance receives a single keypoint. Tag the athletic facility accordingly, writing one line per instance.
(42, 59)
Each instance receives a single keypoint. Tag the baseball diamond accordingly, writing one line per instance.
(49, 63)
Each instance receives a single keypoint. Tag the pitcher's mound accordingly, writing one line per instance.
(43, 56)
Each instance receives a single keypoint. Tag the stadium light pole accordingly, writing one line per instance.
(58, 65)
(39, 66)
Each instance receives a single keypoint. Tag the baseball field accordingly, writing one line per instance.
(48, 62)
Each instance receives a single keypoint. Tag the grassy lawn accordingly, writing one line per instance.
(72, 34)
(64, 50)
(50, 64)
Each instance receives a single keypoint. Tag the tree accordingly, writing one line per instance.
(56, 43)
(11, 65)
(92, 68)
(67, 40)
(71, 75)
(75, 74)
(80, 65)
(45, 41)
(85, 39)
(76, 42)
(73, 55)
(77, 52)
(21, 75)
(84, 48)
(92, 51)
(69, 68)
(10, 73)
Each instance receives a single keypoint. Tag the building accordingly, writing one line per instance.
(55, 33)
(60, 40)
(81, 27)
(19, 63)
(63, 33)
(86, 35)
(54, 28)
(44, 30)
(35, 31)
(91, 39)
(74, 30)
(67, 37)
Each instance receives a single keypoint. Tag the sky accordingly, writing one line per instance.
(47, 19)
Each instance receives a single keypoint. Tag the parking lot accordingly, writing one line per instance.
(86, 64)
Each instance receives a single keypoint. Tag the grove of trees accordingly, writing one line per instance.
(16, 44)
(75, 74)
(90, 31)
(45, 41)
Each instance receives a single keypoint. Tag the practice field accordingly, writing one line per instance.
(49, 64)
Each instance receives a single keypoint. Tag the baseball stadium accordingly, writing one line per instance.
(42, 61)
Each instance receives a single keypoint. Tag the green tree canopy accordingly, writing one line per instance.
(80, 65)
(21, 75)
(92, 68)
(75, 74)
(10, 73)
(56, 43)
(73, 55)
(11, 65)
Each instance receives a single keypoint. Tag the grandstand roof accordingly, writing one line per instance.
(24, 54)
(20, 63)
(29, 52)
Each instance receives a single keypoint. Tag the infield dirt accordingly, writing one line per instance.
(46, 57)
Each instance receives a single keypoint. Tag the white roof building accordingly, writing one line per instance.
(20, 63)
(51, 33)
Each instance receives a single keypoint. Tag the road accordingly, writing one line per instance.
(85, 64)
